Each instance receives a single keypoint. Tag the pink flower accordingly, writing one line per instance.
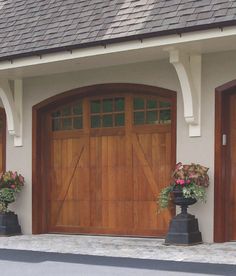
(21, 178)
(180, 181)
(178, 166)
(13, 186)
(14, 175)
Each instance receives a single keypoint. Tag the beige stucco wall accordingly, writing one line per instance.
(217, 69)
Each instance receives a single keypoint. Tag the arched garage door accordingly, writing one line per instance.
(106, 157)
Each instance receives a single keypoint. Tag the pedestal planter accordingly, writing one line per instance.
(183, 229)
(9, 224)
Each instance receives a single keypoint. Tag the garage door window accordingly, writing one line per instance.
(68, 117)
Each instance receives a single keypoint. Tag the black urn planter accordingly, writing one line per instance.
(183, 229)
(9, 224)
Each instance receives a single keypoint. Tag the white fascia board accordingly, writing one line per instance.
(161, 41)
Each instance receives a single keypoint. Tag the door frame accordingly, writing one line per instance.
(39, 191)
(4, 127)
(221, 197)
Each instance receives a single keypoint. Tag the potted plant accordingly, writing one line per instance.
(188, 185)
(11, 183)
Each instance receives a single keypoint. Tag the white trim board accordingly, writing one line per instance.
(162, 41)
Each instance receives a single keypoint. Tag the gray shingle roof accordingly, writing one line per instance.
(30, 26)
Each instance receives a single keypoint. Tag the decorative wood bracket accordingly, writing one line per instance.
(12, 102)
(188, 68)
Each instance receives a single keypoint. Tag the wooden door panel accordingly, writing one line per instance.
(145, 218)
(68, 161)
(164, 164)
(79, 187)
(96, 214)
(144, 165)
(106, 180)
(95, 152)
(2, 140)
(145, 142)
(109, 170)
(1, 154)
(103, 191)
(117, 215)
(73, 213)
(232, 167)
(152, 163)
(142, 190)
(152, 169)
(67, 217)
(116, 186)
(80, 184)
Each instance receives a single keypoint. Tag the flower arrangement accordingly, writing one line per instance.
(11, 183)
(192, 180)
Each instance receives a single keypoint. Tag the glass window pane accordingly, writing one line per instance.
(95, 106)
(165, 116)
(107, 105)
(66, 111)
(77, 123)
(138, 103)
(66, 123)
(107, 121)
(139, 118)
(77, 109)
(56, 113)
(165, 104)
(151, 117)
(120, 119)
(95, 121)
(119, 104)
(151, 104)
(56, 124)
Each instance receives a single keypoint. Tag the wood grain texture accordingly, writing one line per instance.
(106, 181)
(231, 190)
(222, 183)
(2, 140)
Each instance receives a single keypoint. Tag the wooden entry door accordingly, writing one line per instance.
(224, 184)
(107, 159)
(2, 140)
(231, 191)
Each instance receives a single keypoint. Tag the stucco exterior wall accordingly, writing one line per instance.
(217, 69)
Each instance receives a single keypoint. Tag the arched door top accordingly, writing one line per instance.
(101, 89)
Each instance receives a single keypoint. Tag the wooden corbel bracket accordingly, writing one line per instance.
(188, 68)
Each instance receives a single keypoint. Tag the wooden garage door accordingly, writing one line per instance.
(109, 156)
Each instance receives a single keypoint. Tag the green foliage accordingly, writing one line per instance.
(3, 207)
(192, 180)
(164, 197)
(195, 191)
(11, 183)
(7, 195)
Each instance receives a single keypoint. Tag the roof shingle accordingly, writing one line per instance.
(28, 26)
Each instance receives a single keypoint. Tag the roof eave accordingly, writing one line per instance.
(105, 42)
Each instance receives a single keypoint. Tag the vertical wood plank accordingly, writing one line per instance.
(231, 190)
